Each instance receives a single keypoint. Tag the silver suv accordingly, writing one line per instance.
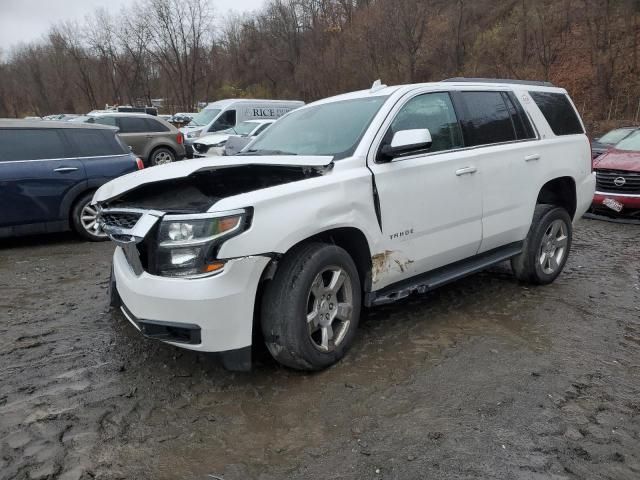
(153, 139)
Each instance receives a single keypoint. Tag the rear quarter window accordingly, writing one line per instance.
(94, 143)
(31, 144)
(132, 125)
(559, 113)
(155, 126)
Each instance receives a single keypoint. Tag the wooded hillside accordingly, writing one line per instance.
(182, 51)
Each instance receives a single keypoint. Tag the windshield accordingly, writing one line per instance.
(614, 136)
(631, 143)
(204, 117)
(328, 129)
(244, 129)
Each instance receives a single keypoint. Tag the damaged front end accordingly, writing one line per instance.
(169, 227)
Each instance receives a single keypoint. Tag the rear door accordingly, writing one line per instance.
(103, 155)
(503, 142)
(134, 132)
(36, 174)
(430, 202)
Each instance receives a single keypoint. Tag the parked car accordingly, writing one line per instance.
(618, 178)
(224, 114)
(609, 139)
(360, 199)
(153, 139)
(214, 144)
(49, 172)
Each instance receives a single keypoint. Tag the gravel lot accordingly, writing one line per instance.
(482, 379)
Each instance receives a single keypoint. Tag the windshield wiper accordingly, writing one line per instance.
(266, 152)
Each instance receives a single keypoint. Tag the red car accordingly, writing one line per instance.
(618, 179)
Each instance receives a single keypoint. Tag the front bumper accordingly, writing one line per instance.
(220, 308)
(585, 189)
(628, 200)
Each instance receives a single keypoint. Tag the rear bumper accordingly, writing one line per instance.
(212, 314)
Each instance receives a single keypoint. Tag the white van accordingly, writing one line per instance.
(225, 114)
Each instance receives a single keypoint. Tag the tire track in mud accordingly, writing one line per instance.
(484, 378)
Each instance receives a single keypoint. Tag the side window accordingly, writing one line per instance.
(559, 112)
(155, 126)
(111, 121)
(132, 124)
(433, 111)
(224, 121)
(31, 144)
(94, 142)
(486, 119)
(521, 122)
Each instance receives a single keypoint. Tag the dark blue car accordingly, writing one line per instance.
(49, 171)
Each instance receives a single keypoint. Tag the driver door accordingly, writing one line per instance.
(430, 200)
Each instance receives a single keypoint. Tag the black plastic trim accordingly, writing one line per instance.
(186, 333)
(498, 80)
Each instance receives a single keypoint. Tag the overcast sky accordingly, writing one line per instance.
(28, 20)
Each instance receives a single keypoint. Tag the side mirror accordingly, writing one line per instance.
(406, 142)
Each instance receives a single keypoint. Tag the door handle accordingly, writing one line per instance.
(466, 171)
(532, 158)
(66, 169)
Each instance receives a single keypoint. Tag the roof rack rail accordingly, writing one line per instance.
(499, 80)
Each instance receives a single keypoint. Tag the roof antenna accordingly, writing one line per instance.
(377, 85)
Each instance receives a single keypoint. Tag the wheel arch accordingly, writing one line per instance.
(74, 201)
(351, 239)
(560, 191)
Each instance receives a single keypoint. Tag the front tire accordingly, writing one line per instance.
(546, 247)
(84, 219)
(311, 309)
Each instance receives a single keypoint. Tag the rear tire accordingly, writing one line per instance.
(310, 310)
(84, 219)
(162, 156)
(546, 248)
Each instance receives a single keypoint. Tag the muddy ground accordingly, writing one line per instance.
(484, 379)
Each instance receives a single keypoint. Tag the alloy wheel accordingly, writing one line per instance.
(553, 247)
(89, 220)
(329, 308)
(162, 158)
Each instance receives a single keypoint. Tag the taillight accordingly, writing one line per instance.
(180, 138)
(591, 152)
(139, 163)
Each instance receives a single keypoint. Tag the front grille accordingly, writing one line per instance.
(618, 181)
(125, 220)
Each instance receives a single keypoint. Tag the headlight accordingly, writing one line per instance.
(187, 244)
(194, 134)
(220, 144)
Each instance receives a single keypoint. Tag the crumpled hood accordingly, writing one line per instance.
(185, 168)
(619, 160)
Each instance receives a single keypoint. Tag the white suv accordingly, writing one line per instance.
(355, 200)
